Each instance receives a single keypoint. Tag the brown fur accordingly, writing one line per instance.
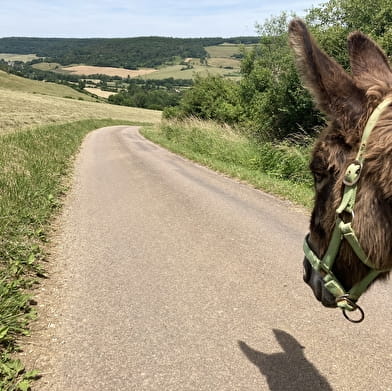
(348, 102)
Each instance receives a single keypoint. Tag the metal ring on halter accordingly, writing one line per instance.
(357, 307)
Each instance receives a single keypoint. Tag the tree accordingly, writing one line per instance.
(275, 103)
(334, 20)
(212, 97)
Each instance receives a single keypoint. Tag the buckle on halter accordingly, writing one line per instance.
(353, 172)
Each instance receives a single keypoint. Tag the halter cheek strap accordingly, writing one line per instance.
(344, 231)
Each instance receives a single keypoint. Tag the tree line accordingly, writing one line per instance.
(23, 69)
(151, 94)
(128, 53)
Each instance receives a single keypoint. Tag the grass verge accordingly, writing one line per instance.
(33, 165)
(280, 169)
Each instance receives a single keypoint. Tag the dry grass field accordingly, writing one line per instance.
(99, 92)
(110, 71)
(16, 83)
(20, 110)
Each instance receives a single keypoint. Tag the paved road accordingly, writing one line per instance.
(173, 277)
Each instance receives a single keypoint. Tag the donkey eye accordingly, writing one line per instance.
(318, 177)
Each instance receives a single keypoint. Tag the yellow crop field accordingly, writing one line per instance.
(99, 92)
(17, 57)
(110, 71)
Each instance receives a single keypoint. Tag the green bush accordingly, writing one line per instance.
(212, 97)
(147, 96)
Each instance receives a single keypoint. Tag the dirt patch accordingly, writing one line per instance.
(92, 70)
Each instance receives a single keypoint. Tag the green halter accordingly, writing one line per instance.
(344, 231)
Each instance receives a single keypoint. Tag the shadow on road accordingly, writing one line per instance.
(287, 370)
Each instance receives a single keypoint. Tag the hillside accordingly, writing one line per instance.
(26, 103)
(17, 83)
(116, 52)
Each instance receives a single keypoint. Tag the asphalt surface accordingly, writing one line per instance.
(173, 277)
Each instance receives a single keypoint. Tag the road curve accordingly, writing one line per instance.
(173, 277)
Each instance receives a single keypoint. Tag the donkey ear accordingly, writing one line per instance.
(334, 90)
(369, 64)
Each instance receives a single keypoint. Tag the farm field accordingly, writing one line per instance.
(215, 66)
(47, 66)
(224, 62)
(110, 71)
(226, 50)
(220, 62)
(17, 57)
(99, 92)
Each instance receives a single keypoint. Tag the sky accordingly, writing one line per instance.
(129, 18)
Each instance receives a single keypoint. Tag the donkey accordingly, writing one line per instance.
(350, 241)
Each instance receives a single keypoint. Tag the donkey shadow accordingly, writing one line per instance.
(287, 370)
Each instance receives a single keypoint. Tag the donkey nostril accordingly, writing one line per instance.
(318, 288)
(307, 270)
(306, 275)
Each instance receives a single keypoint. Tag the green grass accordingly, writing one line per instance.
(221, 62)
(33, 165)
(279, 169)
(47, 66)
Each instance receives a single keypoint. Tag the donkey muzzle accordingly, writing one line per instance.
(315, 280)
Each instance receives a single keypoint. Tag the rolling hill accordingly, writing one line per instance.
(27, 103)
(17, 83)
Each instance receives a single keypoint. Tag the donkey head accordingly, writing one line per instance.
(348, 101)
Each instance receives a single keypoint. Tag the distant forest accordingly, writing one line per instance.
(128, 53)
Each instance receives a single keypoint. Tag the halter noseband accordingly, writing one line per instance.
(344, 231)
